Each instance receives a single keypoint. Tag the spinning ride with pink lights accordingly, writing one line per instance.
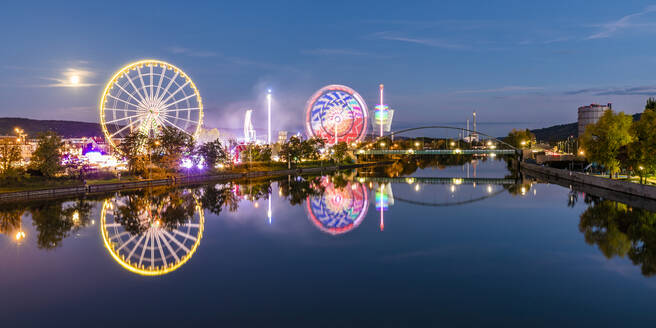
(339, 209)
(336, 113)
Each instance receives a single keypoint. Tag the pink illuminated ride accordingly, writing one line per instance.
(336, 113)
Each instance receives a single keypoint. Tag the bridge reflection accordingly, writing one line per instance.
(440, 180)
(436, 152)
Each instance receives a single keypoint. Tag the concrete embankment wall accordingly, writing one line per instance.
(109, 187)
(625, 187)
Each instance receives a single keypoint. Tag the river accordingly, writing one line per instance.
(458, 243)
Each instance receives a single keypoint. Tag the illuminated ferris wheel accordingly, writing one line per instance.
(145, 244)
(336, 113)
(147, 96)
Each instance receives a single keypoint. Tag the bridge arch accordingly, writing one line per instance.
(393, 133)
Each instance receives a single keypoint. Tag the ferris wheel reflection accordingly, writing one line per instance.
(340, 208)
(154, 234)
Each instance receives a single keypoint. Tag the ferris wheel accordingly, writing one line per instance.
(146, 96)
(336, 113)
(156, 249)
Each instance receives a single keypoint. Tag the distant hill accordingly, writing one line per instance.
(561, 132)
(67, 129)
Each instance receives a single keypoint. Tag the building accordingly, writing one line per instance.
(282, 137)
(27, 147)
(590, 115)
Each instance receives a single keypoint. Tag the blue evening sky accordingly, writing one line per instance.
(527, 63)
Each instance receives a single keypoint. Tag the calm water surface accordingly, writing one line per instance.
(465, 245)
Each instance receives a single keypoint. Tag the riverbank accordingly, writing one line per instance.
(571, 177)
(183, 180)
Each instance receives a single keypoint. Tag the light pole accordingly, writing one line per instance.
(269, 116)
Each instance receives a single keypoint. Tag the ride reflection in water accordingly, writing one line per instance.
(153, 233)
(156, 231)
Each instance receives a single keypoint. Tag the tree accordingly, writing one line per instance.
(619, 230)
(520, 138)
(640, 152)
(51, 224)
(339, 150)
(213, 153)
(311, 148)
(133, 148)
(291, 150)
(651, 104)
(257, 153)
(171, 145)
(602, 141)
(10, 155)
(47, 156)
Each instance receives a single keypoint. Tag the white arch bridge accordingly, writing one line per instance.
(511, 151)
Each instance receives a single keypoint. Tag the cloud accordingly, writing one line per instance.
(336, 52)
(66, 80)
(191, 53)
(437, 43)
(502, 89)
(626, 22)
(616, 91)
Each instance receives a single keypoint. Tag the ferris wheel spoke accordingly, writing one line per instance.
(180, 110)
(143, 100)
(182, 119)
(143, 249)
(125, 127)
(173, 124)
(179, 100)
(159, 84)
(186, 235)
(125, 109)
(125, 101)
(123, 118)
(168, 246)
(176, 91)
(139, 103)
(127, 242)
(161, 251)
(177, 242)
(120, 235)
(168, 86)
(152, 250)
(151, 81)
(136, 246)
(143, 85)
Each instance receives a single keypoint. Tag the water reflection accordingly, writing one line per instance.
(153, 233)
(341, 206)
(156, 231)
(619, 230)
